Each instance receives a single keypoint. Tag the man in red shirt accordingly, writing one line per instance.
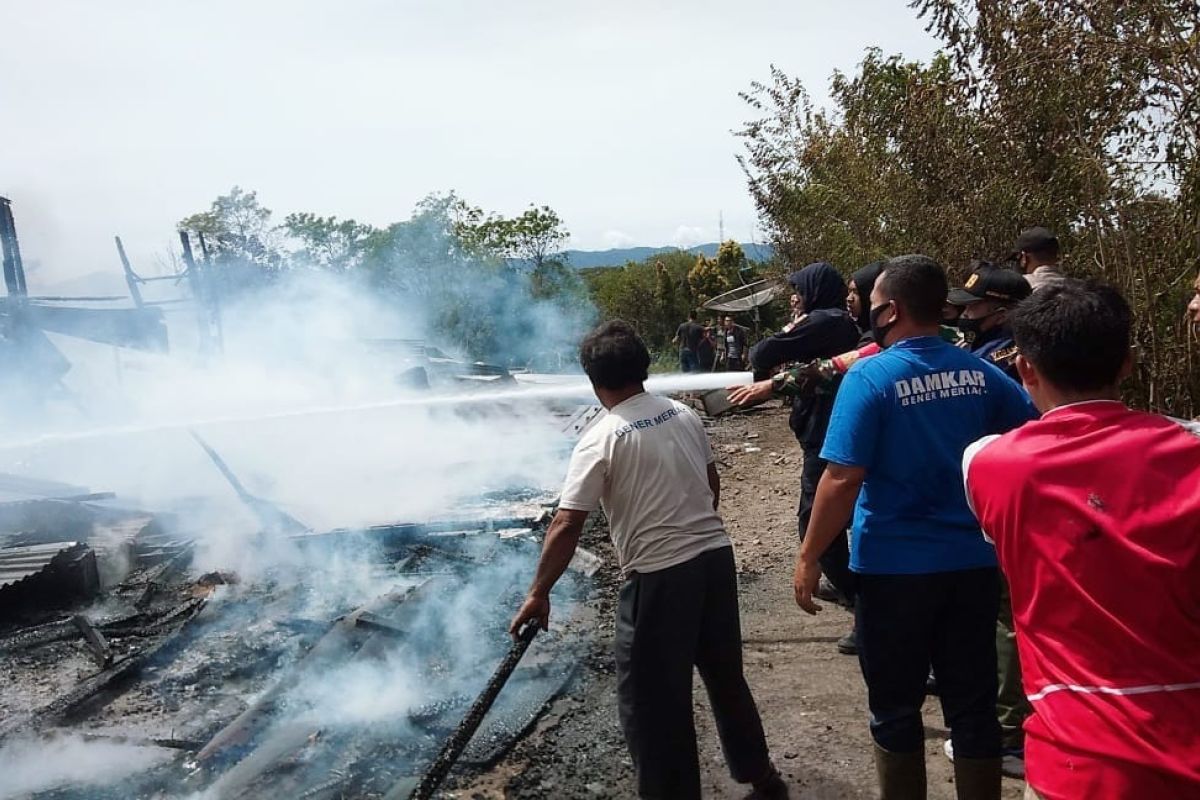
(1095, 513)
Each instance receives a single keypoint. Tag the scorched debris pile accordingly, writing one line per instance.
(343, 673)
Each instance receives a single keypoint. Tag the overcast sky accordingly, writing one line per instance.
(124, 116)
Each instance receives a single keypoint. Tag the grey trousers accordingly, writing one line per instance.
(667, 623)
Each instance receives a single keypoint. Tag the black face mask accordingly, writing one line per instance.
(879, 332)
(972, 329)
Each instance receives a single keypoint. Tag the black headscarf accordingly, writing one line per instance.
(820, 285)
(864, 281)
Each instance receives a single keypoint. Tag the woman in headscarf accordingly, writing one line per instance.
(824, 330)
(858, 294)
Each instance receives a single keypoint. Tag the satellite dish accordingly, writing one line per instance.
(746, 298)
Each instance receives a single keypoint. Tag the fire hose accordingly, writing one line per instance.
(423, 788)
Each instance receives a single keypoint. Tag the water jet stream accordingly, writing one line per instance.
(579, 389)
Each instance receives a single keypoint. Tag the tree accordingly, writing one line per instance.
(237, 229)
(533, 237)
(1077, 116)
(329, 242)
(449, 261)
(710, 277)
(731, 260)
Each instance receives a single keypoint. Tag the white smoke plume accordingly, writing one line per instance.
(29, 766)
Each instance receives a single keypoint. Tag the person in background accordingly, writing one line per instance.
(1193, 308)
(825, 330)
(858, 297)
(688, 336)
(1094, 510)
(706, 351)
(986, 299)
(735, 345)
(795, 311)
(927, 582)
(649, 465)
(1036, 252)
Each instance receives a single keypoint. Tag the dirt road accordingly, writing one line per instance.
(812, 699)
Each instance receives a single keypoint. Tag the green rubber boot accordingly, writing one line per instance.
(901, 775)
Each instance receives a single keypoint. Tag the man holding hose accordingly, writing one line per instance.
(649, 465)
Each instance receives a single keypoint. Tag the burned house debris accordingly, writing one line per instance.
(221, 617)
(362, 674)
(31, 366)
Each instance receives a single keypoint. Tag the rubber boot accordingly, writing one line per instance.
(901, 775)
(977, 778)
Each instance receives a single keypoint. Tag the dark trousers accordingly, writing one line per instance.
(667, 622)
(947, 619)
(687, 361)
(1012, 707)
(835, 562)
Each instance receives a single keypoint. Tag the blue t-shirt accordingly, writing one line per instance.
(906, 416)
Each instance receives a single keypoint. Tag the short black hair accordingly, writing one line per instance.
(1038, 241)
(614, 356)
(1077, 334)
(918, 285)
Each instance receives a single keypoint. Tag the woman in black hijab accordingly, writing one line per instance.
(858, 294)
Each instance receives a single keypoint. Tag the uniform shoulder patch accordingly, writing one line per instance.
(1004, 355)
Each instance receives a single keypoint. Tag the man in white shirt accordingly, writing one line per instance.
(649, 465)
(1036, 251)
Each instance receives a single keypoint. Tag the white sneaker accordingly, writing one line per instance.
(948, 749)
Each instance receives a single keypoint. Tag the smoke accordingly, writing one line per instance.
(311, 403)
(312, 342)
(29, 766)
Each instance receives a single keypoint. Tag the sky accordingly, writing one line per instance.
(125, 116)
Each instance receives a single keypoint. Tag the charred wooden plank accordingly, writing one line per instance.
(378, 623)
(74, 701)
(168, 743)
(342, 639)
(272, 518)
(97, 644)
(163, 572)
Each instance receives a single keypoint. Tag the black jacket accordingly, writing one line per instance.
(825, 331)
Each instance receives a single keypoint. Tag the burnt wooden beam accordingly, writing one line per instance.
(101, 651)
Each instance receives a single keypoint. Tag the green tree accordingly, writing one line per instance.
(329, 242)
(731, 260)
(237, 228)
(710, 277)
(1077, 116)
(535, 236)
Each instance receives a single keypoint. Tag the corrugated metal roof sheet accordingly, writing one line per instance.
(17, 488)
(19, 563)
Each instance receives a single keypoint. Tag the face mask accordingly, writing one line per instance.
(969, 328)
(972, 328)
(879, 332)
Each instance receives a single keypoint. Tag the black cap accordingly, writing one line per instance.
(1036, 240)
(991, 283)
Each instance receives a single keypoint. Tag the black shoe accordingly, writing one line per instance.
(829, 593)
(848, 644)
(931, 687)
(770, 788)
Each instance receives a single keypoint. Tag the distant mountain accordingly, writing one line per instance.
(584, 259)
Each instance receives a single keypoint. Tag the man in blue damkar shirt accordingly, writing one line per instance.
(928, 583)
